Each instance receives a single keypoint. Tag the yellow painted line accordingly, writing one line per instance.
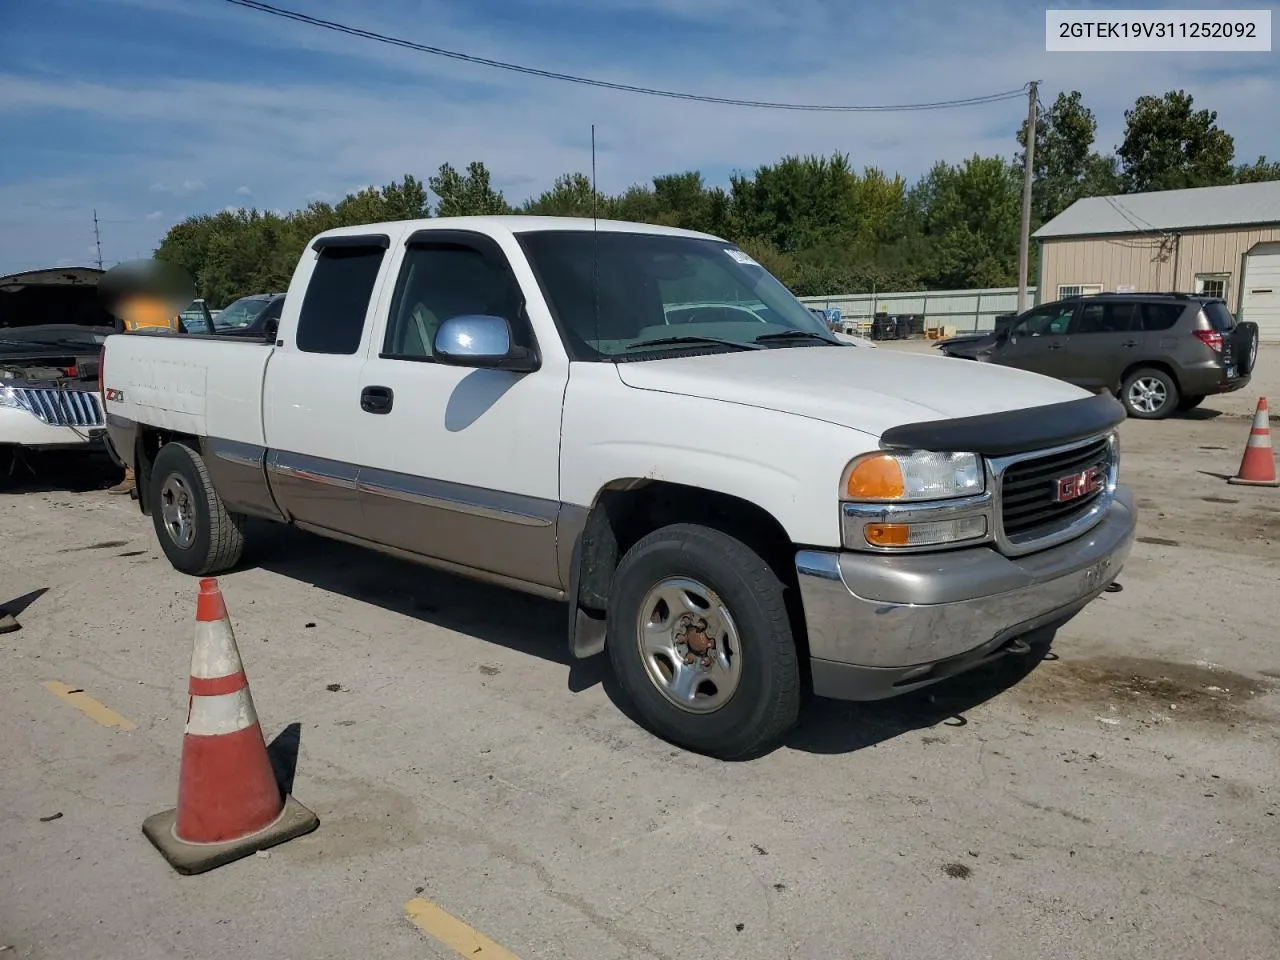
(453, 933)
(90, 707)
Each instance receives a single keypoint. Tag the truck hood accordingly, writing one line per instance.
(865, 390)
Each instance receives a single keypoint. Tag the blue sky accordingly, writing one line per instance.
(152, 110)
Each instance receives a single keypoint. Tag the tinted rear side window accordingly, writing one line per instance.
(332, 316)
(1219, 316)
(1160, 316)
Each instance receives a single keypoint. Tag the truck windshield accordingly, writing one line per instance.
(612, 292)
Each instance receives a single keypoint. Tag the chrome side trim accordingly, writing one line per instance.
(1058, 534)
(458, 498)
(298, 466)
(233, 451)
(855, 516)
(472, 573)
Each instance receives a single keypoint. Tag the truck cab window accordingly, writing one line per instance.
(331, 319)
(440, 281)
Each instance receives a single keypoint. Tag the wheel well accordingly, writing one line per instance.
(147, 446)
(628, 510)
(1148, 364)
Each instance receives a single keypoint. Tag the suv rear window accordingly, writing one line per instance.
(1160, 316)
(1219, 316)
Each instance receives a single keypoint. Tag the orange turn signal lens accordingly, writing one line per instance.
(877, 477)
(887, 534)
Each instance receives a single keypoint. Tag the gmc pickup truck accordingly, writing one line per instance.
(738, 507)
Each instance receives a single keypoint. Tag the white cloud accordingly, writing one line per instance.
(155, 214)
(183, 188)
(244, 192)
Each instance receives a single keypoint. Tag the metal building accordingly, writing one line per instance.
(1221, 241)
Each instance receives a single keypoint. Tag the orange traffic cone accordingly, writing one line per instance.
(1258, 466)
(229, 804)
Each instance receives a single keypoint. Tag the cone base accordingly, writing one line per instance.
(1240, 481)
(191, 858)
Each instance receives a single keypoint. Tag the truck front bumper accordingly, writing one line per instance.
(879, 626)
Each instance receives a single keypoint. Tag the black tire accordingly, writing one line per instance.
(1191, 402)
(766, 701)
(216, 539)
(1130, 394)
(1248, 348)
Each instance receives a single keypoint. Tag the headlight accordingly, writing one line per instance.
(914, 500)
(912, 477)
(9, 398)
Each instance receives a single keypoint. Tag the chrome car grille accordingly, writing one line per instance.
(1031, 507)
(61, 408)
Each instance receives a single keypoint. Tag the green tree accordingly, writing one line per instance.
(1258, 172)
(1169, 146)
(571, 195)
(466, 194)
(1066, 167)
(970, 215)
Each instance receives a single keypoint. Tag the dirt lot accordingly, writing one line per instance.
(1119, 798)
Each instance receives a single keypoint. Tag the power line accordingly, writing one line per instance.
(623, 87)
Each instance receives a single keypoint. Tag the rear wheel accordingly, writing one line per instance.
(196, 531)
(1149, 394)
(700, 639)
(1191, 402)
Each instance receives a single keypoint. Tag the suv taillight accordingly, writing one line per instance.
(1211, 339)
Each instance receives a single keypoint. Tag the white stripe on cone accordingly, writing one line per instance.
(1259, 440)
(225, 713)
(215, 652)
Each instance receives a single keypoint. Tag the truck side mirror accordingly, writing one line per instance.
(478, 340)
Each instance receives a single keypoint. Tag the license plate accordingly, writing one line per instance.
(1231, 372)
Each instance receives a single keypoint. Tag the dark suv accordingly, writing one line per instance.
(1158, 352)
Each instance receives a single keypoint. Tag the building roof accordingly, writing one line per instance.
(1165, 210)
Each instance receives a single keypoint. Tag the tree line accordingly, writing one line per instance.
(818, 223)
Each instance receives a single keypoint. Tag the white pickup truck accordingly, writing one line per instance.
(737, 506)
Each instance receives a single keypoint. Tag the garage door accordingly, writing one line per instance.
(1261, 301)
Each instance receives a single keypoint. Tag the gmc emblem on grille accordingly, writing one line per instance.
(1081, 484)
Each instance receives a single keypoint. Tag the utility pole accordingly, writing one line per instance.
(1028, 164)
(97, 237)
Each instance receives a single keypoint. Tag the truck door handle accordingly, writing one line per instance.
(1129, 343)
(376, 399)
(1055, 346)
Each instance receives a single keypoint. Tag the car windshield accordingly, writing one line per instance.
(240, 314)
(613, 293)
(1220, 318)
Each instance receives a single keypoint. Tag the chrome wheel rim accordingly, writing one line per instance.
(1148, 394)
(689, 645)
(178, 511)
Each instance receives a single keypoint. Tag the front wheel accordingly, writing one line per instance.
(196, 531)
(700, 639)
(1149, 394)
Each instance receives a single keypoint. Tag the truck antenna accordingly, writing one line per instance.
(595, 241)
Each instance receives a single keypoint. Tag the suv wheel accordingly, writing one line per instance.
(1149, 394)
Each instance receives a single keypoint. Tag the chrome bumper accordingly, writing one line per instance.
(881, 625)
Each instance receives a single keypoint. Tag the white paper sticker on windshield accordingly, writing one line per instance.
(741, 257)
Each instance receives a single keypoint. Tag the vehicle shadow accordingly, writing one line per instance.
(833, 726)
(521, 623)
(58, 471)
(536, 627)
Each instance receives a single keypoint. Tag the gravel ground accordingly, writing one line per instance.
(1117, 798)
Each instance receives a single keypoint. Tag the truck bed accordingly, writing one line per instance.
(201, 384)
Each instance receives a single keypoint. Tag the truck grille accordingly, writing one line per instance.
(1028, 493)
(61, 408)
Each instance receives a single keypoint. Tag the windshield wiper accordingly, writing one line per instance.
(787, 335)
(693, 341)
